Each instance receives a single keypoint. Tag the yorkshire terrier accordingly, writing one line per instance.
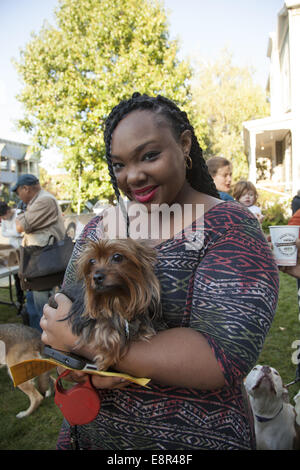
(117, 299)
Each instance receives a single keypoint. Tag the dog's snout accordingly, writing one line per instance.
(266, 370)
(99, 277)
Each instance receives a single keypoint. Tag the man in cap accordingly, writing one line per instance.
(41, 219)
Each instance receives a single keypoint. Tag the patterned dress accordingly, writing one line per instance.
(227, 290)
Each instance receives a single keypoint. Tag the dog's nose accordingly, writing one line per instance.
(99, 277)
(266, 370)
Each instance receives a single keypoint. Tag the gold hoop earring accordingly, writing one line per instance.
(188, 162)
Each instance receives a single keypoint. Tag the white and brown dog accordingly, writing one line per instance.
(297, 407)
(19, 343)
(274, 417)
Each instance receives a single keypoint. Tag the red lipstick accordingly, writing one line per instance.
(145, 194)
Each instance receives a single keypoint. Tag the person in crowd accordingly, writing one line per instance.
(295, 270)
(8, 229)
(41, 219)
(296, 202)
(221, 170)
(217, 313)
(8, 225)
(295, 219)
(245, 192)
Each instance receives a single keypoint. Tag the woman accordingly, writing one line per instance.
(296, 202)
(218, 301)
(8, 225)
(295, 219)
(221, 170)
(8, 230)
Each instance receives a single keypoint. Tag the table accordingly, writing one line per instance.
(8, 272)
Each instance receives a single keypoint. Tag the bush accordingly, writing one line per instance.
(274, 215)
(275, 208)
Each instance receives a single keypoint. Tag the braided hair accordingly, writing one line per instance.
(198, 176)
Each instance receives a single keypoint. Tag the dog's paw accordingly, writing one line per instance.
(102, 362)
(22, 414)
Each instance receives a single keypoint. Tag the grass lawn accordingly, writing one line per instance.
(39, 431)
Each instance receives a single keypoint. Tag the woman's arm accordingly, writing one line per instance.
(235, 294)
(178, 357)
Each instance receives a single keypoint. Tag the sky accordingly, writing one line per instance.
(203, 29)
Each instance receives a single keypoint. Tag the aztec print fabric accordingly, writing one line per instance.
(227, 290)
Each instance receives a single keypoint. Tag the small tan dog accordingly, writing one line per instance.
(19, 343)
(118, 298)
(274, 417)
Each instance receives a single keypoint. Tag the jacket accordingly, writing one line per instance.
(42, 219)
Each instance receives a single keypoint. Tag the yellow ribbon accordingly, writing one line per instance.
(31, 368)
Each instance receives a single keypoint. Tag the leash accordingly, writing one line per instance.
(297, 379)
(79, 405)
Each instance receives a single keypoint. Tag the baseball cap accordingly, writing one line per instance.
(25, 180)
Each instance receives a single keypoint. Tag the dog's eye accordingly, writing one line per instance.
(117, 258)
(92, 261)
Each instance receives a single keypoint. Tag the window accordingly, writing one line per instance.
(285, 75)
(279, 152)
(4, 163)
(13, 165)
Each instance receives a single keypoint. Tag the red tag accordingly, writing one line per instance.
(80, 404)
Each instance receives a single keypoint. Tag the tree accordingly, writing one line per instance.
(60, 185)
(100, 52)
(226, 96)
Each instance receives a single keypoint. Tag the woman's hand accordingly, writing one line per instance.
(99, 382)
(291, 270)
(57, 333)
